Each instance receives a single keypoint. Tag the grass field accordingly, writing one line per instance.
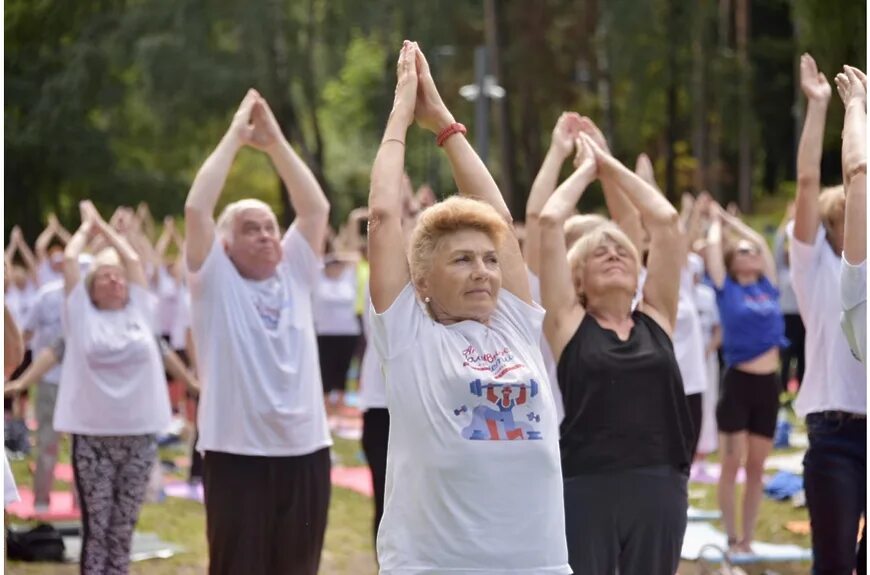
(349, 544)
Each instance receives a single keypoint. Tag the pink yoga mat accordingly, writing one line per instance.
(62, 472)
(61, 508)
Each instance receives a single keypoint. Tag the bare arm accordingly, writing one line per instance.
(387, 259)
(558, 294)
(166, 236)
(42, 241)
(818, 92)
(42, 364)
(129, 258)
(29, 259)
(13, 344)
(307, 198)
(472, 178)
(209, 183)
(561, 144)
(851, 86)
(620, 208)
(177, 369)
(667, 250)
(71, 271)
(715, 259)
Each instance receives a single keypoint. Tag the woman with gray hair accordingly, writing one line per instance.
(627, 434)
(473, 442)
(112, 396)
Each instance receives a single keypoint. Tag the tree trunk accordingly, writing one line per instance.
(699, 107)
(670, 154)
(493, 34)
(744, 190)
(724, 20)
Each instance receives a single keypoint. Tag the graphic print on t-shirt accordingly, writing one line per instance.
(495, 419)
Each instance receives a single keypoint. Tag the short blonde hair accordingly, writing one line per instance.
(832, 206)
(578, 225)
(606, 232)
(444, 218)
(106, 257)
(227, 219)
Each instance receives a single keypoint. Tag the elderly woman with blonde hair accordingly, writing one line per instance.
(627, 434)
(112, 396)
(473, 476)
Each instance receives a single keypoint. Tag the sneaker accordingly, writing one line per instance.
(41, 508)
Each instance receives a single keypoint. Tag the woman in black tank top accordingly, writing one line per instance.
(626, 437)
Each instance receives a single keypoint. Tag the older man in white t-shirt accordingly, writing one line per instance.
(262, 422)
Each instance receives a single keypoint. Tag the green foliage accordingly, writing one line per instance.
(121, 100)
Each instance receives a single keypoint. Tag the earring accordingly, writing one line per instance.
(427, 299)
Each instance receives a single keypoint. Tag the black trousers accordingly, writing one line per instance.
(696, 404)
(633, 521)
(265, 515)
(376, 431)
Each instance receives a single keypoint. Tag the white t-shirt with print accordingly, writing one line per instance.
(833, 380)
(474, 480)
(335, 304)
(112, 380)
(257, 355)
(372, 393)
(688, 337)
(45, 322)
(853, 296)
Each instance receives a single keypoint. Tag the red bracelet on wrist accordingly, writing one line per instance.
(454, 128)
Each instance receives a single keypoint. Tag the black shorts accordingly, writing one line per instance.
(748, 402)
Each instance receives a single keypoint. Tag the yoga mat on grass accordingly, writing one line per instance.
(61, 507)
(696, 514)
(145, 546)
(700, 535)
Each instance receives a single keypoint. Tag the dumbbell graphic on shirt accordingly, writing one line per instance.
(499, 423)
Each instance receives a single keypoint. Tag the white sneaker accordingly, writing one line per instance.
(41, 508)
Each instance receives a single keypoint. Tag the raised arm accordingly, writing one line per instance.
(620, 208)
(667, 252)
(44, 239)
(387, 259)
(558, 294)
(471, 177)
(561, 145)
(851, 84)
(42, 364)
(129, 258)
(715, 258)
(746, 232)
(74, 248)
(818, 92)
(209, 182)
(28, 257)
(306, 196)
(61, 232)
(167, 234)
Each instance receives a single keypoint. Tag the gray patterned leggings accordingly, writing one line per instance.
(111, 475)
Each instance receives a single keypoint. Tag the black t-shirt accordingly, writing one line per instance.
(625, 406)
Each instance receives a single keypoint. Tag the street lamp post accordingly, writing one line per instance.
(481, 92)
